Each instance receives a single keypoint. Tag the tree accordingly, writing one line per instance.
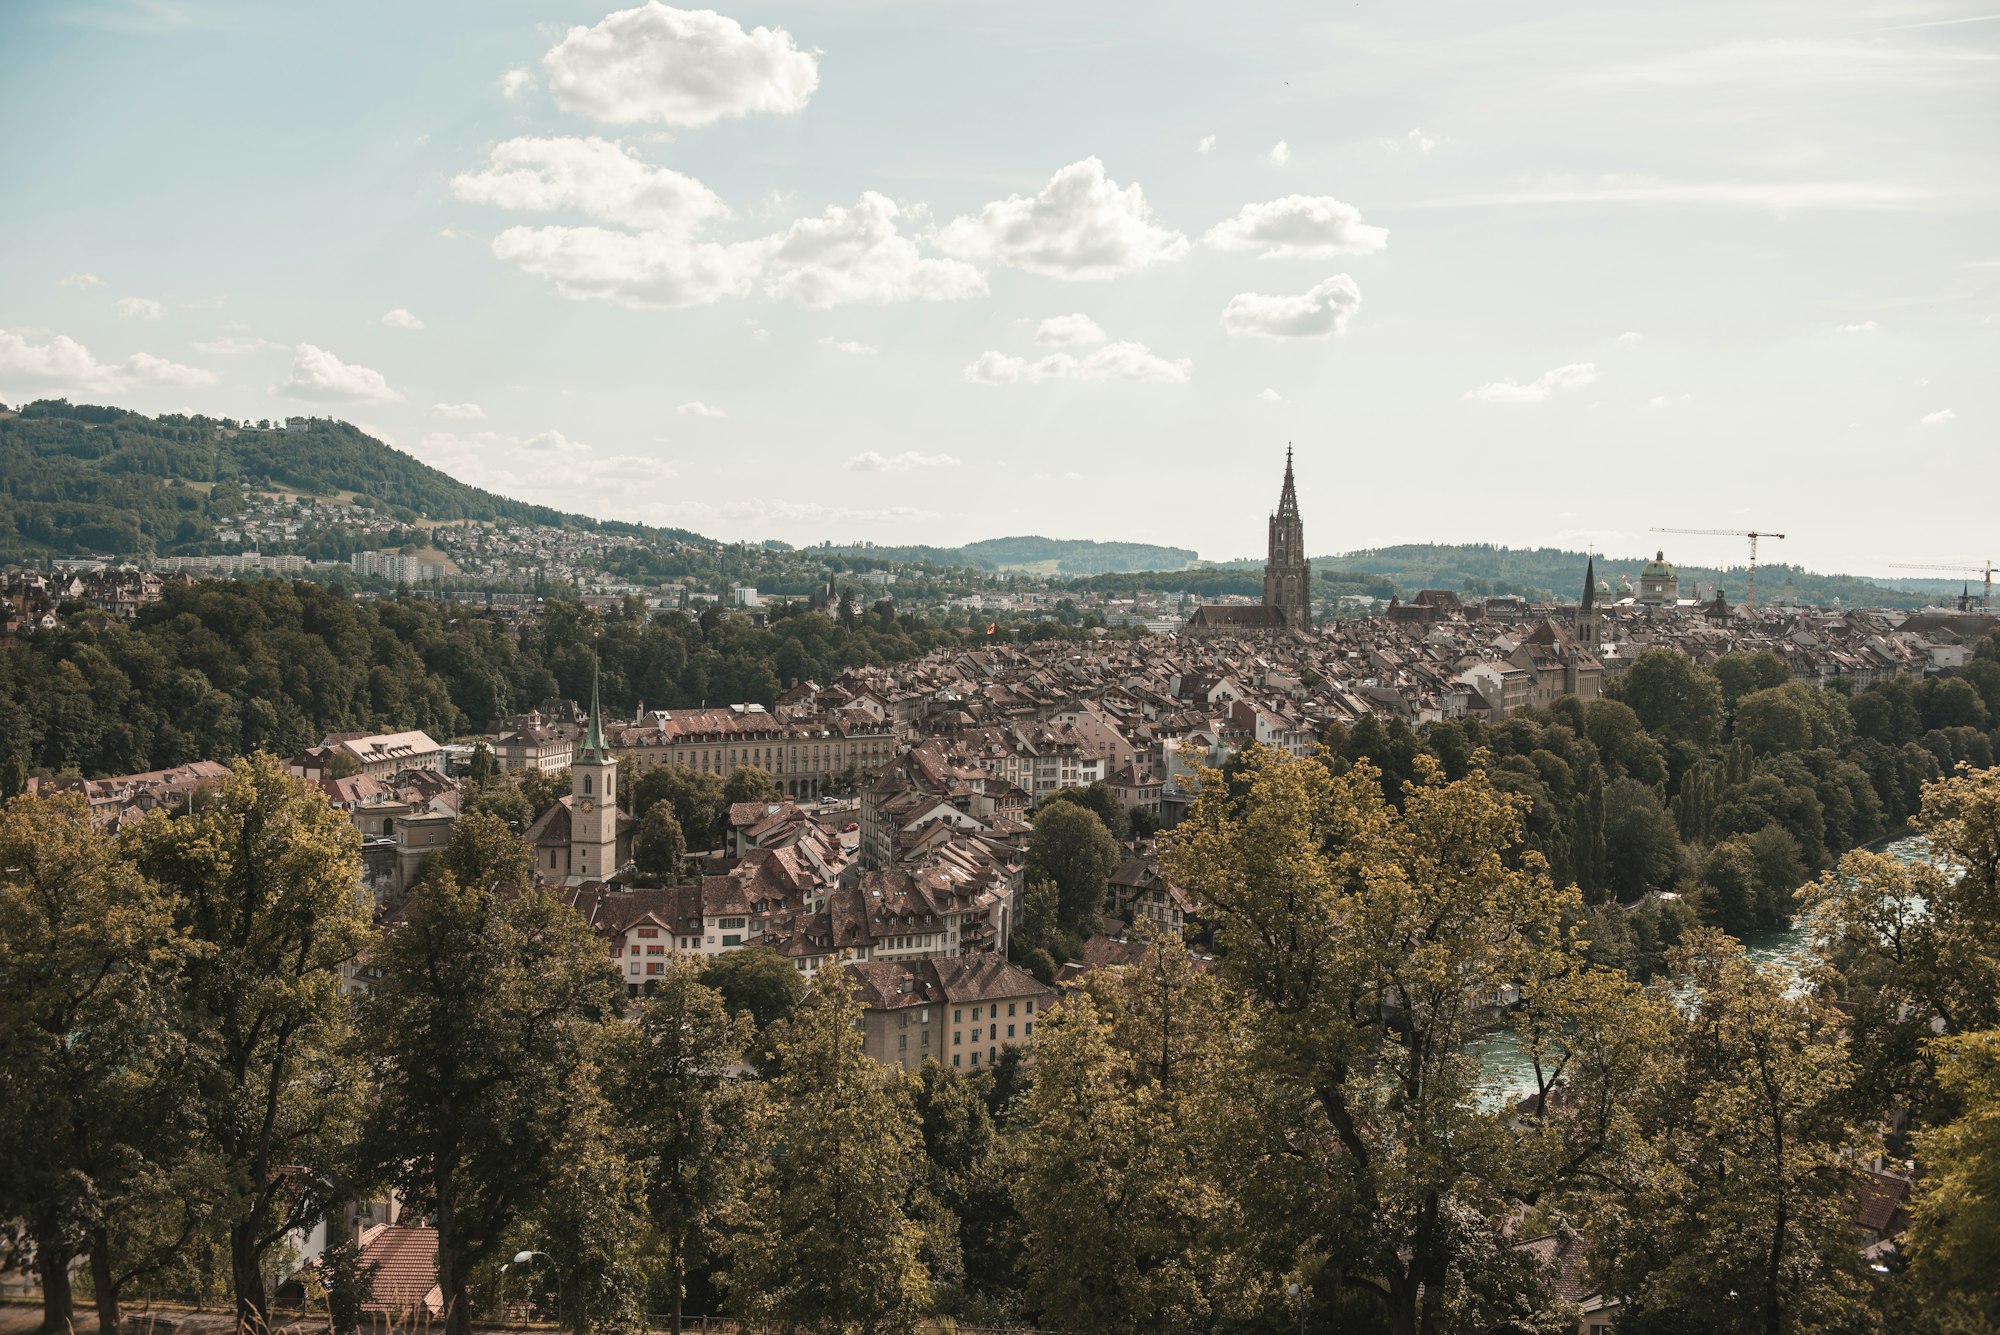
(1739, 674)
(968, 1176)
(747, 783)
(1733, 1210)
(1100, 798)
(1368, 941)
(1910, 945)
(1642, 849)
(699, 803)
(340, 764)
(841, 1159)
(688, 1115)
(1070, 847)
(482, 768)
(659, 846)
(480, 1026)
(483, 852)
(1673, 698)
(1792, 717)
(758, 982)
(1955, 1226)
(266, 885)
(587, 1214)
(1116, 1224)
(90, 1072)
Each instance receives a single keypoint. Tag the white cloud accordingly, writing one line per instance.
(660, 65)
(849, 346)
(1067, 331)
(699, 409)
(402, 319)
(232, 347)
(1280, 154)
(1206, 146)
(319, 375)
(1421, 142)
(858, 255)
(1573, 376)
(1080, 226)
(1630, 336)
(1864, 327)
(1271, 396)
(1304, 227)
(80, 280)
(869, 461)
(515, 82)
(645, 270)
(554, 443)
(1114, 361)
(592, 176)
(64, 361)
(458, 412)
(1938, 418)
(1321, 310)
(140, 308)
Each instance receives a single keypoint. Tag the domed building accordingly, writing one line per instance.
(1659, 583)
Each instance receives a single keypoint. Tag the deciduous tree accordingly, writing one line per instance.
(266, 883)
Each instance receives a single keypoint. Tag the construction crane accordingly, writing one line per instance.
(1752, 534)
(1946, 567)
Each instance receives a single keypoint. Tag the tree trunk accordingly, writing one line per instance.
(106, 1283)
(52, 1264)
(679, 1272)
(247, 1274)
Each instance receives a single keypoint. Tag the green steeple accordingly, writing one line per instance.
(593, 740)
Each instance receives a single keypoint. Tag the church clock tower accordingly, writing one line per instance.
(593, 789)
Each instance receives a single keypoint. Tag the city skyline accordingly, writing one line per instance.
(1550, 278)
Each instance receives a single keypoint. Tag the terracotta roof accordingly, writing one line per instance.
(405, 1257)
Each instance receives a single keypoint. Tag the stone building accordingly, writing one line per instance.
(1287, 601)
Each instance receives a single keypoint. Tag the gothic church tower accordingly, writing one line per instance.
(1287, 574)
(593, 787)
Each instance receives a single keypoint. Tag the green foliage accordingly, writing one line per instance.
(658, 846)
(825, 1238)
(756, 982)
(1733, 1201)
(94, 1153)
(83, 479)
(483, 851)
(1955, 1233)
(1674, 699)
(689, 1118)
(216, 669)
(1071, 848)
(482, 1031)
(697, 798)
(1101, 800)
(747, 783)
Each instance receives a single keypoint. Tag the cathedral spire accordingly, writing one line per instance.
(593, 741)
(1288, 499)
(1589, 583)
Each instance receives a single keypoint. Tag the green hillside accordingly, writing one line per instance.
(1550, 572)
(77, 478)
(1038, 555)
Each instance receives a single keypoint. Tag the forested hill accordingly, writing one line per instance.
(78, 478)
(1550, 572)
(1040, 556)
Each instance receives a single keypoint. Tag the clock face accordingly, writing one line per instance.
(585, 805)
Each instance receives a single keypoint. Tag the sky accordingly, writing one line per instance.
(926, 271)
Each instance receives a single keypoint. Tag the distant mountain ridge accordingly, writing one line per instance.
(1039, 555)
